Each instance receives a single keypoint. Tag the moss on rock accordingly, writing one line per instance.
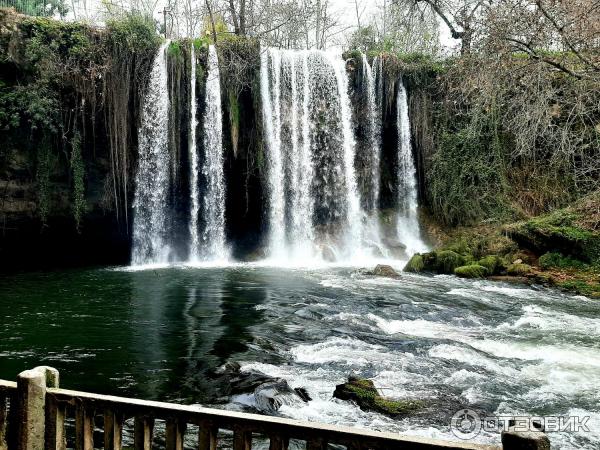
(447, 261)
(518, 269)
(564, 231)
(365, 395)
(415, 264)
(493, 263)
(471, 271)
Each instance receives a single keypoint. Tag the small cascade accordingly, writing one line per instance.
(408, 223)
(194, 252)
(150, 222)
(213, 210)
(314, 207)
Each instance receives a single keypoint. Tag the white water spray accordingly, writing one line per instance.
(213, 235)
(150, 229)
(194, 188)
(408, 224)
(375, 119)
(306, 107)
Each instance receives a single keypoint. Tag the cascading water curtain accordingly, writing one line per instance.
(372, 76)
(150, 230)
(194, 252)
(213, 243)
(310, 155)
(408, 223)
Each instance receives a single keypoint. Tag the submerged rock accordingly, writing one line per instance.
(363, 392)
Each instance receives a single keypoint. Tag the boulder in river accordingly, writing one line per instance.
(382, 270)
(363, 392)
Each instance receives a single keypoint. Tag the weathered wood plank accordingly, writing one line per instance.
(264, 424)
(84, 428)
(242, 439)
(113, 430)
(207, 436)
(144, 427)
(278, 442)
(174, 434)
(55, 425)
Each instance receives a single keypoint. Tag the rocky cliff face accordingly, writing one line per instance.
(69, 113)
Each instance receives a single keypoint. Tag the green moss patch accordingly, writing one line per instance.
(365, 395)
(518, 269)
(471, 271)
(415, 264)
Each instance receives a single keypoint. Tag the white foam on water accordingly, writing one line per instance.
(471, 357)
(348, 351)
(542, 318)
(513, 292)
(424, 328)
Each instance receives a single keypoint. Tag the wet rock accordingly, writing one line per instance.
(272, 395)
(363, 392)
(269, 393)
(303, 394)
(382, 270)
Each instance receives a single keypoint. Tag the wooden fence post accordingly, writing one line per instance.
(31, 403)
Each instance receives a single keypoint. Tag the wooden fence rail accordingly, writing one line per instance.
(34, 412)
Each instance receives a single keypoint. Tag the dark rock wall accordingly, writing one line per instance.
(28, 240)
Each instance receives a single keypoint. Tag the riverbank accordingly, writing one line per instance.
(560, 249)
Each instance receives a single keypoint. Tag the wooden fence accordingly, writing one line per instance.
(34, 411)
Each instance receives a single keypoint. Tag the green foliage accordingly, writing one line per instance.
(518, 269)
(471, 271)
(133, 32)
(467, 175)
(447, 261)
(493, 264)
(49, 38)
(415, 264)
(78, 172)
(556, 260)
(175, 49)
(44, 167)
(559, 231)
(582, 287)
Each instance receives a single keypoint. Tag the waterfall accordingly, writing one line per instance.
(270, 88)
(373, 84)
(314, 207)
(408, 223)
(373, 80)
(150, 221)
(194, 188)
(213, 234)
